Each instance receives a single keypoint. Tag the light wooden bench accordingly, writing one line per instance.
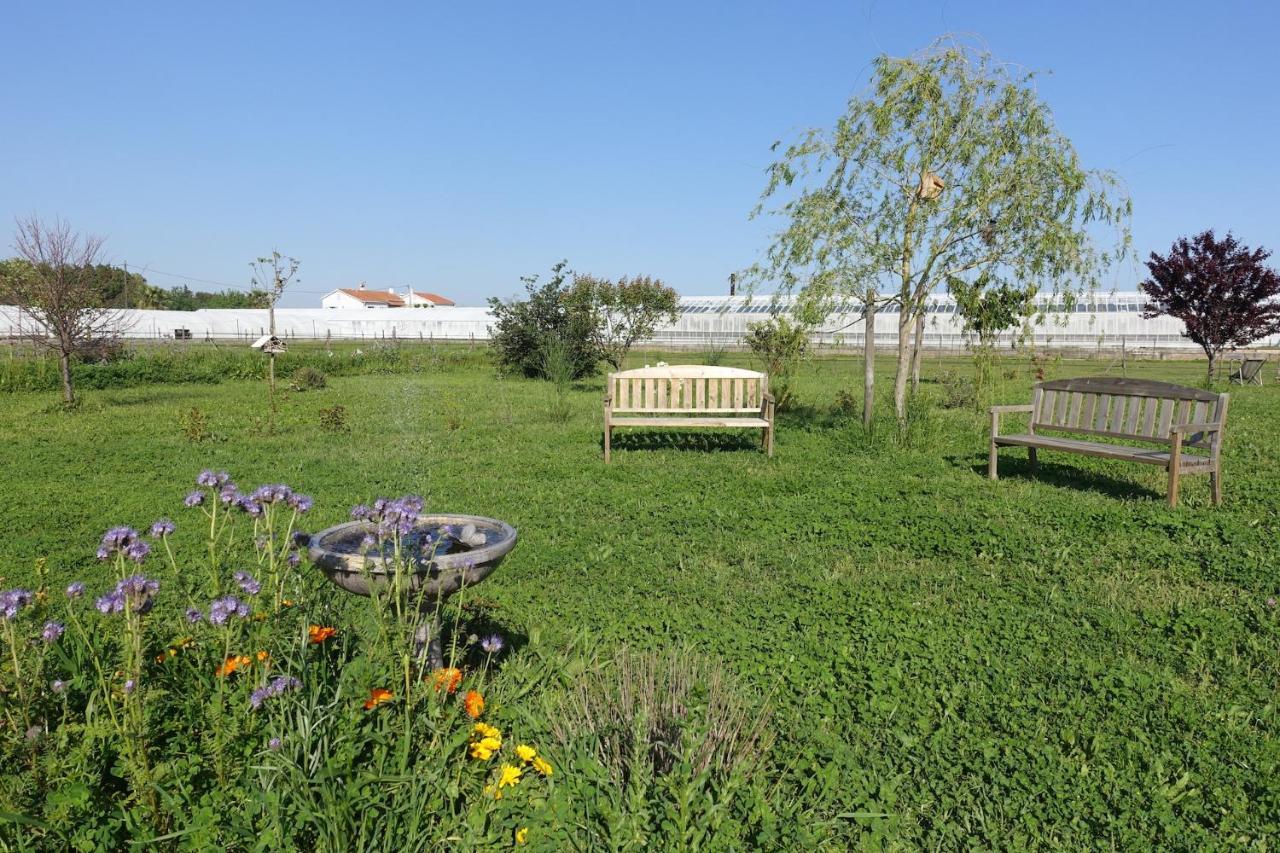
(689, 395)
(1133, 409)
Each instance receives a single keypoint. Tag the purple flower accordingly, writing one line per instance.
(274, 744)
(301, 539)
(129, 686)
(193, 615)
(492, 644)
(229, 494)
(224, 608)
(58, 685)
(163, 527)
(194, 499)
(75, 589)
(360, 512)
(1271, 602)
(135, 593)
(123, 540)
(52, 631)
(12, 601)
(207, 478)
(275, 687)
(249, 506)
(248, 583)
(294, 559)
(301, 503)
(137, 551)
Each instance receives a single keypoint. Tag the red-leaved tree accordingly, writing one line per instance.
(1220, 289)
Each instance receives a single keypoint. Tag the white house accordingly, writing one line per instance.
(363, 297)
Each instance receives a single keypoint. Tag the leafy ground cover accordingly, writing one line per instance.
(944, 661)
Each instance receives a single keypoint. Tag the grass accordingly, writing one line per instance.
(1050, 661)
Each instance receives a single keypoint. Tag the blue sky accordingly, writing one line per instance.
(456, 147)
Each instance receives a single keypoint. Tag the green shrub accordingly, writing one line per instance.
(308, 379)
(781, 344)
(334, 419)
(552, 311)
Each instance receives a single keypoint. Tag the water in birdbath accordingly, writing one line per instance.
(422, 544)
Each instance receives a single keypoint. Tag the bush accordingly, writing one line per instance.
(334, 419)
(308, 379)
(781, 344)
(552, 311)
(958, 392)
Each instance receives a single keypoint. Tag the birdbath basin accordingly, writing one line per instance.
(441, 555)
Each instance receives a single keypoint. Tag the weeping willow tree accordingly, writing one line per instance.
(948, 167)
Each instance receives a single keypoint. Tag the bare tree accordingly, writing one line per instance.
(58, 288)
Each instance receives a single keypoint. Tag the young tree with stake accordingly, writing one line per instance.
(271, 275)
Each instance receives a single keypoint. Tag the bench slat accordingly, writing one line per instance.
(746, 423)
(1149, 421)
(1095, 448)
(1086, 414)
(1135, 411)
(1100, 414)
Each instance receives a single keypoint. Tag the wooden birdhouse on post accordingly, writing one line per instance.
(270, 344)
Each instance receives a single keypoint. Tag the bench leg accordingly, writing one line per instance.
(608, 440)
(768, 438)
(1173, 486)
(1032, 462)
(992, 461)
(1215, 488)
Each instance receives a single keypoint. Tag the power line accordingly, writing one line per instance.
(239, 287)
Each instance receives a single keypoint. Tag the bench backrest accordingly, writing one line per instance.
(1125, 408)
(688, 388)
(1251, 367)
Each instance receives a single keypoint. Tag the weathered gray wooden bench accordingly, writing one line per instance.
(1129, 409)
(689, 395)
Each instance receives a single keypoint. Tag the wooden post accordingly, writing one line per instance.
(608, 412)
(992, 458)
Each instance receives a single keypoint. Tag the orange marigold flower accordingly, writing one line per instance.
(262, 655)
(473, 704)
(231, 664)
(377, 696)
(448, 678)
(318, 633)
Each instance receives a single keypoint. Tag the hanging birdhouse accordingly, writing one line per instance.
(269, 344)
(931, 186)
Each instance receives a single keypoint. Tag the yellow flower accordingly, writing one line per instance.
(542, 766)
(510, 776)
(481, 751)
(486, 730)
(522, 835)
(526, 753)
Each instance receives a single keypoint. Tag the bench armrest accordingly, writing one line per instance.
(769, 398)
(608, 398)
(1009, 410)
(1190, 428)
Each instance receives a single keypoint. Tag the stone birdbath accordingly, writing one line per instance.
(447, 552)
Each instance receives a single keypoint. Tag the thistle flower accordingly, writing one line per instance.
(12, 601)
(221, 609)
(75, 589)
(193, 499)
(248, 583)
(492, 644)
(162, 528)
(52, 632)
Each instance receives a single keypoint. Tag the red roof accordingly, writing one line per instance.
(433, 298)
(380, 296)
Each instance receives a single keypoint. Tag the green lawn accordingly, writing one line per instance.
(951, 662)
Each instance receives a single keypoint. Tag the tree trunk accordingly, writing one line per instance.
(64, 365)
(917, 354)
(1213, 357)
(904, 366)
(868, 360)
